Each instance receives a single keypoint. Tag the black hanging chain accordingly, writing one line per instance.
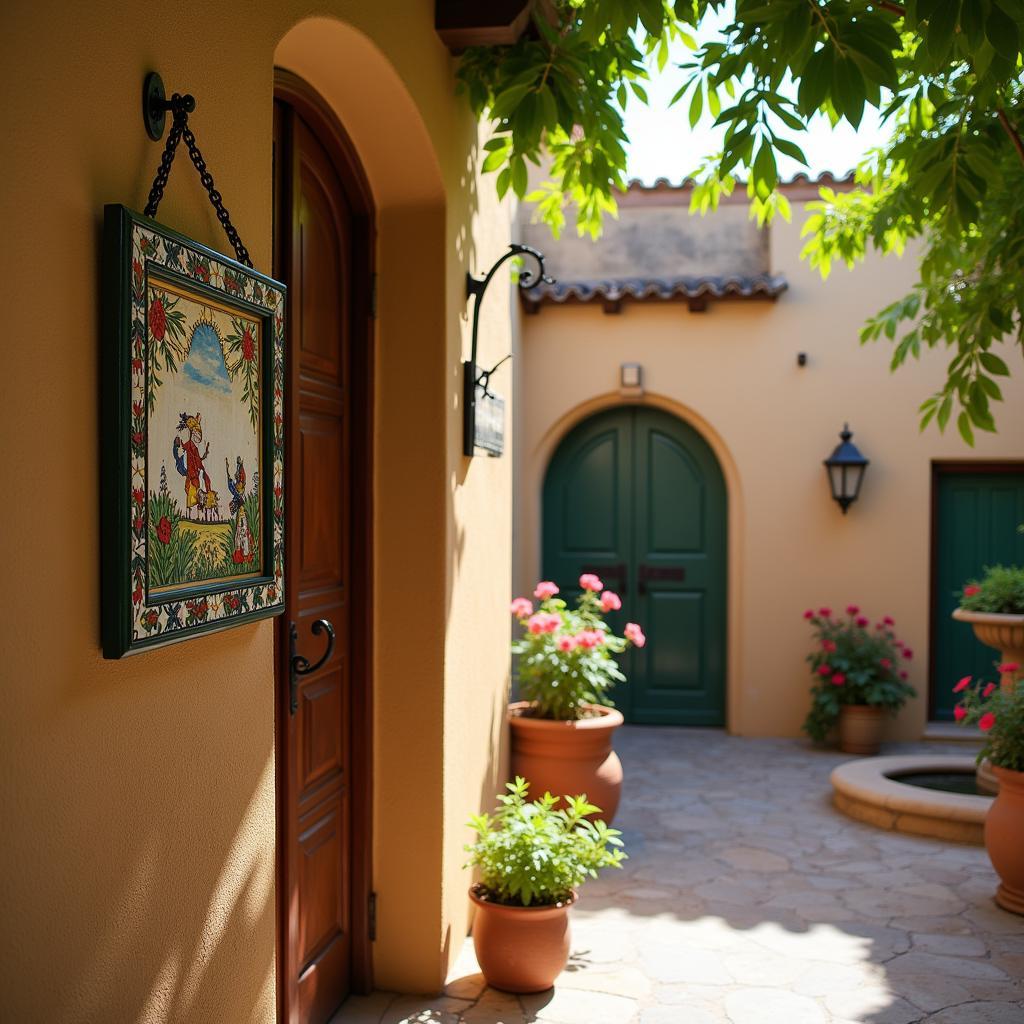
(181, 106)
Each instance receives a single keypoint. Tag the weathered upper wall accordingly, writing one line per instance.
(138, 865)
(733, 373)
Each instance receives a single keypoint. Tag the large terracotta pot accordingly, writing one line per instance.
(1003, 632)
(568, 758)
(860, 729)
(521, 949)
(1004, 839)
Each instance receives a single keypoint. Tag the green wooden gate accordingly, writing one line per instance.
(638, 497)
(976, 518)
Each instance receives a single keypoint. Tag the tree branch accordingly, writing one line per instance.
(1012, 132)
(897, 9)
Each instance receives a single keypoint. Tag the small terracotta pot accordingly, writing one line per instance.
(521, 949)
(860, 729)
(1004, 839)
(568, 758)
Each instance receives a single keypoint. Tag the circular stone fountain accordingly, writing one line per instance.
(871, 790)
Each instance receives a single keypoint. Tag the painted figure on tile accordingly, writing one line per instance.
(189, 462)
(244, 546)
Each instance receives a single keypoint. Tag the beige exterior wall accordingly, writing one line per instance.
(137, 872)
(732, 373)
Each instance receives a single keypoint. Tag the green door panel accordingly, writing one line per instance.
(638, 497)
(977, 515)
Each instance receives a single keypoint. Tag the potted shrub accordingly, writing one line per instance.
(562, 731)
(532, 857)
(994, 606)
(858, 678)
(999, 713)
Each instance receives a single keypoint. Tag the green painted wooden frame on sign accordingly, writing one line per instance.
(192, 508)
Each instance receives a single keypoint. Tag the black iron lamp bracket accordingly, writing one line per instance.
(155, 106)
(475, 379)
(298, 665)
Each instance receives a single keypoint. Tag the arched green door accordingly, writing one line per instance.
(638, 497)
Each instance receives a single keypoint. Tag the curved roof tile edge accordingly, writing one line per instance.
(685, 287)
(662, 184)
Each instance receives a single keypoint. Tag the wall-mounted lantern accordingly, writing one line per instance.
(846, 468)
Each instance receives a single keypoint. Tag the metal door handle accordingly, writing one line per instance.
(658, 572)
(300, 666)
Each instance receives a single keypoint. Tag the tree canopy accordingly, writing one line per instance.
(946, 75)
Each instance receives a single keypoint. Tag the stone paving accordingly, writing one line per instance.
(748, 899)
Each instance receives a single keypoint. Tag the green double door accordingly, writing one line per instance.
(977, 515)
(637, 496)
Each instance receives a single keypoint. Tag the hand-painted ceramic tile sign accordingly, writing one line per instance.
(193, 504)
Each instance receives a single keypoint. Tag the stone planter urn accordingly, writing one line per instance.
(1004, 839)
(860, 729)
(1004, 633)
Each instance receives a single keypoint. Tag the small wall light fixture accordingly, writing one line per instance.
(631, 375)
(846, 468)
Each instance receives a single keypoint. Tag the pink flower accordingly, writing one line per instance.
(889, 620)
(828, 645)
(536, 623)
(610, 602)
(634, 634)
(852, 609)
(903, 675)
(962, 685)
(907, 653)
(552, 622)
(824, 670)
(809, 614)
(545, 589)
(824, 612)
(959, 713)
(971, 589)
(521, 607)
(986, 721)
(566, 643)
(862, 621)
(589, 638)
(588, 581)
(989, 690)
(885, 663)
(838, 679)
(1009, 666)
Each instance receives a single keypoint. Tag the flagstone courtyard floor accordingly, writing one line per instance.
(748, 899)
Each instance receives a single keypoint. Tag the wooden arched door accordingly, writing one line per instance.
(637, 496)
(323, 249)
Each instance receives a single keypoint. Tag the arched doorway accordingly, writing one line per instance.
(637, 496)
(324, 253)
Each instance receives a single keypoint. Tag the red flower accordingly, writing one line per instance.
(852, 609)
(903, 675)
(152, 616)
(138, 496)
(986, 721)
(971, 589)
(907, 653)
(237, 556)
(138, 523)
(137, 437)
(862, 621)
(271, 593)
(202, 272)
(885, 663)
(163, 530)
(136, 268)
(824, 612)
(278, 491)
(157, 320)
(828, 645)
(962, 685)
(989, 690)
(889, 620)
(959, 713)
(1009, 666)
(137, 365)
(137, 596)
(136, 409)
(248, 349)
(824, 670)
(808, 614)
(838, 679)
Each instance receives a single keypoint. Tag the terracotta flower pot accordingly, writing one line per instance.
(521, 949)
(1003, 632)
(568, 758)
(1004, 839)
(860, 729)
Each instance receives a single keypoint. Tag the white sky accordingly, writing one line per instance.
(662, 144)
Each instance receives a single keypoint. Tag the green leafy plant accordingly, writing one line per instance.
(530, 854)
(171, 550)
(1001, 590)
(566, 656)
(999, 714)
(945, 74)
(853, 664)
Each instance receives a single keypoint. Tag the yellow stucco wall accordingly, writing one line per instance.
(137, 869)
(732, 372)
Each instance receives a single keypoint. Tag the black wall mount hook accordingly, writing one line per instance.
(300, 666)
(155, 105)
(475, 379)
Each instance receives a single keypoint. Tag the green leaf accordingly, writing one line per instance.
(696, 105)
(1003, 33)
(994, 364)
(848, 90)
(790, 149)
(941, 26)
(963, 424)
(944, 411)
